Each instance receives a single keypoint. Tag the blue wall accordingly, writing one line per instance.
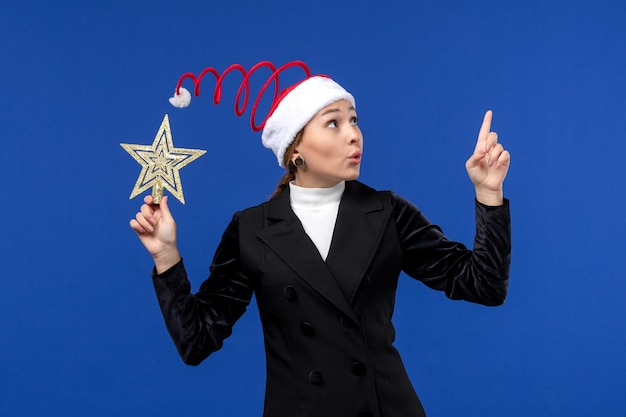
(81, 332)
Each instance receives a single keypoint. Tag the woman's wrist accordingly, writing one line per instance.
(490, 197)
(166, 259)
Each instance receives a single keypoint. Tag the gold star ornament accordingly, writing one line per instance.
(160, 163)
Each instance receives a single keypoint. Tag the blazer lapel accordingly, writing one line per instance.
(287, 238)
(358, 231)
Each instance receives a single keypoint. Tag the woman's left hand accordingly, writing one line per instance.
(488, 165)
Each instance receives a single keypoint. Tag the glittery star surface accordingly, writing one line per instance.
(160, 163)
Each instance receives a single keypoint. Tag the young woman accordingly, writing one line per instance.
(323, 257)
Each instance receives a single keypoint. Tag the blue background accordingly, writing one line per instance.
(81, 332)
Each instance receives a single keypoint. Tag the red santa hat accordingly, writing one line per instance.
(291, 108)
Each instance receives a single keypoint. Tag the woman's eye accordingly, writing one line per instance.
(332, 124)
(354, 121)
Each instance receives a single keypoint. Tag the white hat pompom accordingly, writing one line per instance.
(182, 99)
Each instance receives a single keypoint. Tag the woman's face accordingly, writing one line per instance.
(331, 147)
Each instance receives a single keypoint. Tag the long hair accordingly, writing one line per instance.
(290, 175)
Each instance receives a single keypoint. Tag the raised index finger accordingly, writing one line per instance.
(484, 131)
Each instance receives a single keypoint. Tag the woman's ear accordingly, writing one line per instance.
(296, 159)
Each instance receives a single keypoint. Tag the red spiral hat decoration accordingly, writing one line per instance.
(244, 88)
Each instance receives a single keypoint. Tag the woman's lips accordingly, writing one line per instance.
(355, 157)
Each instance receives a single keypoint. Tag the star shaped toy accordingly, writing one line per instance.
(160, 163)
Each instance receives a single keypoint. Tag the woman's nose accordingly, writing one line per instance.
(354, 136)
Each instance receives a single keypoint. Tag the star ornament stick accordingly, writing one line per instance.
(160, 164)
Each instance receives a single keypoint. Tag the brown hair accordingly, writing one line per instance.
(290, 175)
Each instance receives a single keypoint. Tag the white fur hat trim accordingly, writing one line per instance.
(296, 109)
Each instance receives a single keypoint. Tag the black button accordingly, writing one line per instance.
(346, 322)
(315, 378)
(358, 369)
(290, 293)
(307, 329)
(365, 413)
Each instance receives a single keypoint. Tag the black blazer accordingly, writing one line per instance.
(327, 325)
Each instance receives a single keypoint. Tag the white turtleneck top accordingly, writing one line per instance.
(317, 210)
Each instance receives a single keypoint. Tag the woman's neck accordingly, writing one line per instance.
(312, 197)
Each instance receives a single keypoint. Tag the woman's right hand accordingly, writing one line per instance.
(156, 229)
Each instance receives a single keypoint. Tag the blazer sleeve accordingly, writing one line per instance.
(199, 323)
(480, 275)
